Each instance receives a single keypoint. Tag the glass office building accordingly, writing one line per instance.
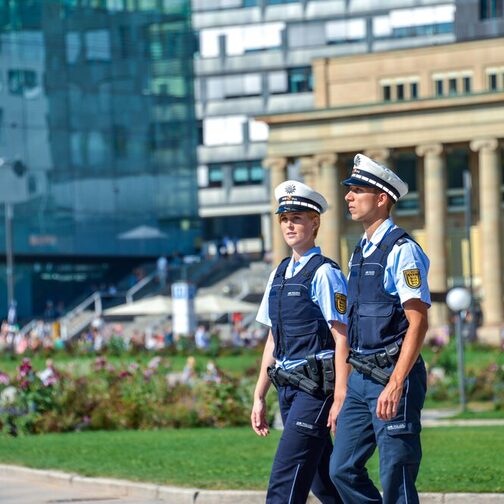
(97, 140)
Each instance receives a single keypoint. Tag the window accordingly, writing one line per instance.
(224, 130)
(439, 87)
(98, 45)
(406, 167)
(414, 90)
(278, 2)
(386, 93)
(120, 141)
(452, 86)
(467, 82)
(457, 161)
(492, 82)
(415, 22)
(215, 175)
(402, 88)
(199, 127)
(342, 32)
(277, 82)
(248, 173)
(490, 9)
(166, 135)
(240, 39)
(400, 91)
(250, 3)
(300, 80)
(21, 81)
(125, 42)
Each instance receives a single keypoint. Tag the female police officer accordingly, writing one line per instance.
(305, 307)
(388, 299)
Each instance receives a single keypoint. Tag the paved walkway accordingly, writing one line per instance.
(19, 485)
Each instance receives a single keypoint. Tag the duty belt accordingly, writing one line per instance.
(316, 377)
(372, 364)
(384, 358)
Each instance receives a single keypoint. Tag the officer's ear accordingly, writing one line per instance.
(384, 200)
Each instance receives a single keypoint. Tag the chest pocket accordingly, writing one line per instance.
(378, 309)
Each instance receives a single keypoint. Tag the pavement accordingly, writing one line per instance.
(20, 485)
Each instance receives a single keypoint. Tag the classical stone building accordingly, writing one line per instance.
(430, 114)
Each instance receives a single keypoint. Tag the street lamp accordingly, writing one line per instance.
(13, 189)
(458, 300)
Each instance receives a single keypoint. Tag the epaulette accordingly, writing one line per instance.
(401, 241)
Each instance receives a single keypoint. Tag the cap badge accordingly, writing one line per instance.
(290, 189)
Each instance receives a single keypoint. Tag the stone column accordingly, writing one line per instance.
(278, 174)
(381, 156)
(329, 236)
(491, 230)
(435, 225)
(309, 171)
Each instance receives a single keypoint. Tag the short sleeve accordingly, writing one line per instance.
(329, 291)
(407, 269)
(263, 312)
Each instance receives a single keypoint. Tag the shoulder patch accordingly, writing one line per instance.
(340, 300)
(412, 278)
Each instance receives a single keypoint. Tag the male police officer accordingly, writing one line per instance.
(388, 298)
(305, 307)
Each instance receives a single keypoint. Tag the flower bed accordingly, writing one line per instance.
(121, 397)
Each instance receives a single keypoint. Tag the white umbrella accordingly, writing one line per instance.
(142, 233)
(213, 304)
(209, 304)
(156, 305)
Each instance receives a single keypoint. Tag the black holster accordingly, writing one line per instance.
(315, 377)
(365, 365)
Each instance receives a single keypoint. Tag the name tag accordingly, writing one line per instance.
(293, 293)
(369, 273)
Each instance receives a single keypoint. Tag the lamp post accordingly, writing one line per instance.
(9, 254)
(13, 189)
(458, 300)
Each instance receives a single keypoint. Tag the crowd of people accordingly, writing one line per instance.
(102, 335)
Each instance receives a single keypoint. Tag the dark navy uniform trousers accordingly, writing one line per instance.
(302, 458)
(359, 432)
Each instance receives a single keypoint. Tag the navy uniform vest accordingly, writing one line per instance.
(375, 317)
(297, 323)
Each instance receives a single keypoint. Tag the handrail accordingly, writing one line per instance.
(28, 327)
(139, 285)
(95, 299)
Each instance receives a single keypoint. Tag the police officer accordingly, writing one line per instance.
(388, 298)
(305, 307)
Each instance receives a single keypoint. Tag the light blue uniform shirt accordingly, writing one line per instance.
(403, 257)
(327, 282)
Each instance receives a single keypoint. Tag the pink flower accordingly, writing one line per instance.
(4, 379)
(100, 363)
(25, 368)
(133, 367)
(154, 363)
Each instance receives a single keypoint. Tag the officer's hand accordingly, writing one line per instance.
(334, 411)
(258, 418)
(388, 402)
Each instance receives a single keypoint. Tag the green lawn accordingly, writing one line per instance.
(458, 459)
(84, 363)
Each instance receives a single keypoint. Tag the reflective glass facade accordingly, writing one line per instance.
(96, 102)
